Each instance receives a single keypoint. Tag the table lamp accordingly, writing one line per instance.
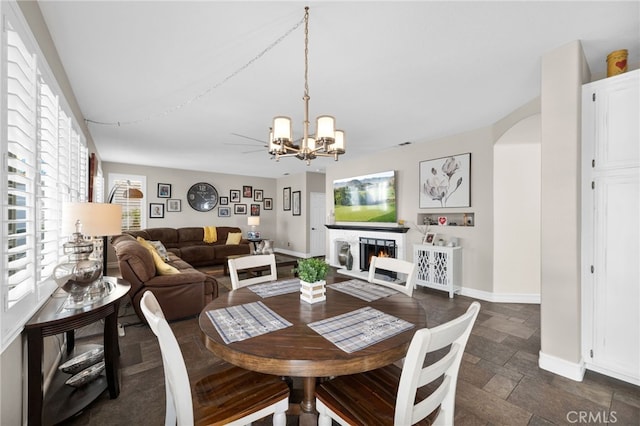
(253, 221)
(78, 274)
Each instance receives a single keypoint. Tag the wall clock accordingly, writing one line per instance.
(202, 197)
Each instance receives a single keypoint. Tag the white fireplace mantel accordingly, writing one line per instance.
(340, 234)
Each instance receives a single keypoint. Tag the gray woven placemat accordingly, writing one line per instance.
(363, 290)
(276, 288)
(237, 323)
(360, 328)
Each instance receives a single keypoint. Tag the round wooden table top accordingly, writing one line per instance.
(299, 351)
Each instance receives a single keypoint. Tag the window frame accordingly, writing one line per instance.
(47, 195)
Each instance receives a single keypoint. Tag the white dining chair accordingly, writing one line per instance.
(394, 396)
(390, 264)
(240, 264)
(229, 396)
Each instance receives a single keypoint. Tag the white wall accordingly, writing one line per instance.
(564, 70)
(477, 240)
(516, 213)
(291, 230)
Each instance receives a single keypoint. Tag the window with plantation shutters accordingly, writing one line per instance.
(21, 168)
(45, 162)
(133, 211)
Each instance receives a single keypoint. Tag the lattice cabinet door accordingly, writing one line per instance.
(439, 267)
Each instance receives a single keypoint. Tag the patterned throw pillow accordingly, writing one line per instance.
(161, 249)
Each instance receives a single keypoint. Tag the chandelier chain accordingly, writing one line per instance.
(306, 52)
(208, 90)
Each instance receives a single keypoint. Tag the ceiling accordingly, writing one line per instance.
(195, 85)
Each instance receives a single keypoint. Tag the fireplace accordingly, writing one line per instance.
(341, 234)
(379, 247)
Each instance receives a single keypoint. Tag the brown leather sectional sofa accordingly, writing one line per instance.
(188, 244)
(180, 295)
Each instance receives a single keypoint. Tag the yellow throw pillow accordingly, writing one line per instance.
(146, 245)
(234, 237)
(161, 267)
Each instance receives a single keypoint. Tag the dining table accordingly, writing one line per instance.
(297, 349)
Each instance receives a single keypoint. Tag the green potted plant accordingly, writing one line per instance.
(312, 269)
(312, 273)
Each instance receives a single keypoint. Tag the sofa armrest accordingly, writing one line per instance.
(177, 279)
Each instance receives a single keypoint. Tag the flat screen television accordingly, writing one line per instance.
(368, 198)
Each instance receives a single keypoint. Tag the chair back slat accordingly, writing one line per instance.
(237, 265)
(399, 266)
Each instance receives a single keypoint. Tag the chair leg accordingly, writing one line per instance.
(324, 420)
(279, 419)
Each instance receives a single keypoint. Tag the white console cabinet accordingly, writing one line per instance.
(438, 267)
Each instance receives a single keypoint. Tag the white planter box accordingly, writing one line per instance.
(313, 292)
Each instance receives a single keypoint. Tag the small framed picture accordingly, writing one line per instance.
(164, 190)
(429, 238)
(156, 210)
(234, 196)
(247, 191)
(224, 212)
(286, 198)
(295, 200)
(174, 205)
(257, 195)
(240, 209)
(268, 203)
(255, 209)
(224, 201)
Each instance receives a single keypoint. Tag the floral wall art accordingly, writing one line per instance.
(446, 182)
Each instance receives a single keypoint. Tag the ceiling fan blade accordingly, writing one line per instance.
(249, 137)
(252, 151)
(241, 144)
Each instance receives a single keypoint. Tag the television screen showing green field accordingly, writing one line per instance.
(368, 198)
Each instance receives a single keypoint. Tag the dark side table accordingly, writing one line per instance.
(63, 401)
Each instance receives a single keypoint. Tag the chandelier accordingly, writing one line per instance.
(327, 142)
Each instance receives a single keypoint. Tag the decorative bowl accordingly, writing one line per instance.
(86, 375)
(82, 361)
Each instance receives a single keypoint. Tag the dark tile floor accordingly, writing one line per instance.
(499, 382)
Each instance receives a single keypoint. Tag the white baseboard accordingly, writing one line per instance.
(615, 374)
(291, 253)
(501, 297)
(562, 367)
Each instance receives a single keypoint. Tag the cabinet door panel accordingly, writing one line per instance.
(617, 112)
(616, 336)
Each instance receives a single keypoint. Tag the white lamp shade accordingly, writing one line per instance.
(282, 128)
(338, 146)
(97, 219)
(273, 147)
(325, 127)
(253, 220)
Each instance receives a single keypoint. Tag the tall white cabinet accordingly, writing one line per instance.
(611, 226)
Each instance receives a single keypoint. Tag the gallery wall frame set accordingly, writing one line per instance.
(295, 201)
(164, 190)
(156, 210)
(174, 205)
(445, 182)
(286, 198)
